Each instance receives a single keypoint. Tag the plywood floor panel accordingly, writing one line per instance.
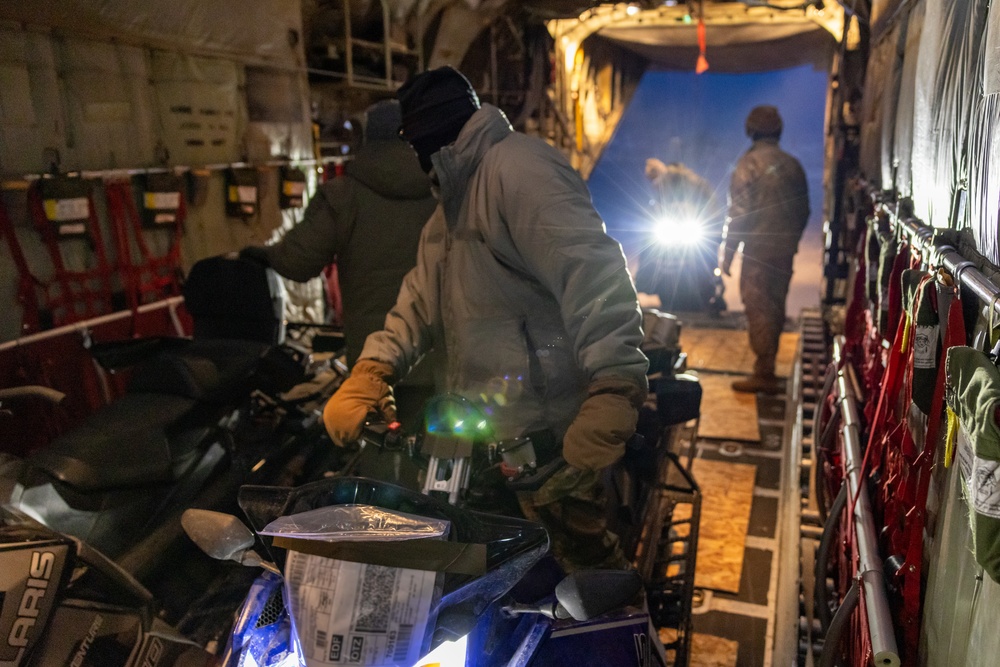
(706, 650)
(727, 495)
(728, 351)
(726, 414)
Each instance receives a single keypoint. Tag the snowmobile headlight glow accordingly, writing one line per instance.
(679, 231)
(447, 654)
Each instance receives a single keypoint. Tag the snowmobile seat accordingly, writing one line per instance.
(180, 388)
(213, 371)
(139, 439)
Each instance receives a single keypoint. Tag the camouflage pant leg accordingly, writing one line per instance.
(572, 506)
(764, 288)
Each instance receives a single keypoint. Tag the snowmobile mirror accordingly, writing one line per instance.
(589, 593)
(586, 594)
(221, 536)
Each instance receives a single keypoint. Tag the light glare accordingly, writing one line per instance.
(678, 231)
(448, 654)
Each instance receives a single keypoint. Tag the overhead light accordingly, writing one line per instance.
(632, 10)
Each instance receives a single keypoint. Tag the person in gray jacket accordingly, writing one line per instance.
(530, 300)
(768, 211)
(368, 222)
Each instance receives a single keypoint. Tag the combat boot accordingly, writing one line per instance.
(759, 384)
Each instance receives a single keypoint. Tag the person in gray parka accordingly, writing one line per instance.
(368, 222)
(528, 298)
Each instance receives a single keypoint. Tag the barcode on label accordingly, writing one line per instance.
(296, 571)
(375, 605)
(321, 639)
(402, 643)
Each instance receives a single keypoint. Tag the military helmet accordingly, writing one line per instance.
(764, 121)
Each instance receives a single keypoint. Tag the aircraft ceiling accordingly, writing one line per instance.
(739, 36)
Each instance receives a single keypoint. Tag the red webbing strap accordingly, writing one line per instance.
(701, 65)
(854, 321)
(26, 281)
(874, 362)
(82, 294)
(916, 518)
(154, 277)
(896, 288)
(899, 356)
(858, 643)
(891, 383)
(891, 445)
(159, 277)
(123, 249)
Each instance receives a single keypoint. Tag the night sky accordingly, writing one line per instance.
(698, 120)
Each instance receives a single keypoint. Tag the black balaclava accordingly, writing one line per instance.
(435, 107)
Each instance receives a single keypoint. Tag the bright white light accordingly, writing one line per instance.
(678, 231)
(570, 54)
(631, 10)
(448, 654)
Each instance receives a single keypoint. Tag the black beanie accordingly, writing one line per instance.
(381, 122)
(438, 102)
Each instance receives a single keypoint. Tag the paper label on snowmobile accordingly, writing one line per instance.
(924, 346)
(358, 614)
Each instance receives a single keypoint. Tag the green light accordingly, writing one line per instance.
(482, 425)
(687, 18)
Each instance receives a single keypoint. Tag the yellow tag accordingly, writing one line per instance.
(61, 210)
(906, 332)
(951, 437)
(162, 200)
(294, 188)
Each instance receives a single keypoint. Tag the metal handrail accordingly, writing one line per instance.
(869, 572)
(921, 238)
(170, 303)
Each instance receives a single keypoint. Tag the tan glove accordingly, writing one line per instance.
(606, 420)
(366, 390)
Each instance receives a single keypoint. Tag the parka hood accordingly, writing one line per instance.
(455, 164)
(391, 169)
